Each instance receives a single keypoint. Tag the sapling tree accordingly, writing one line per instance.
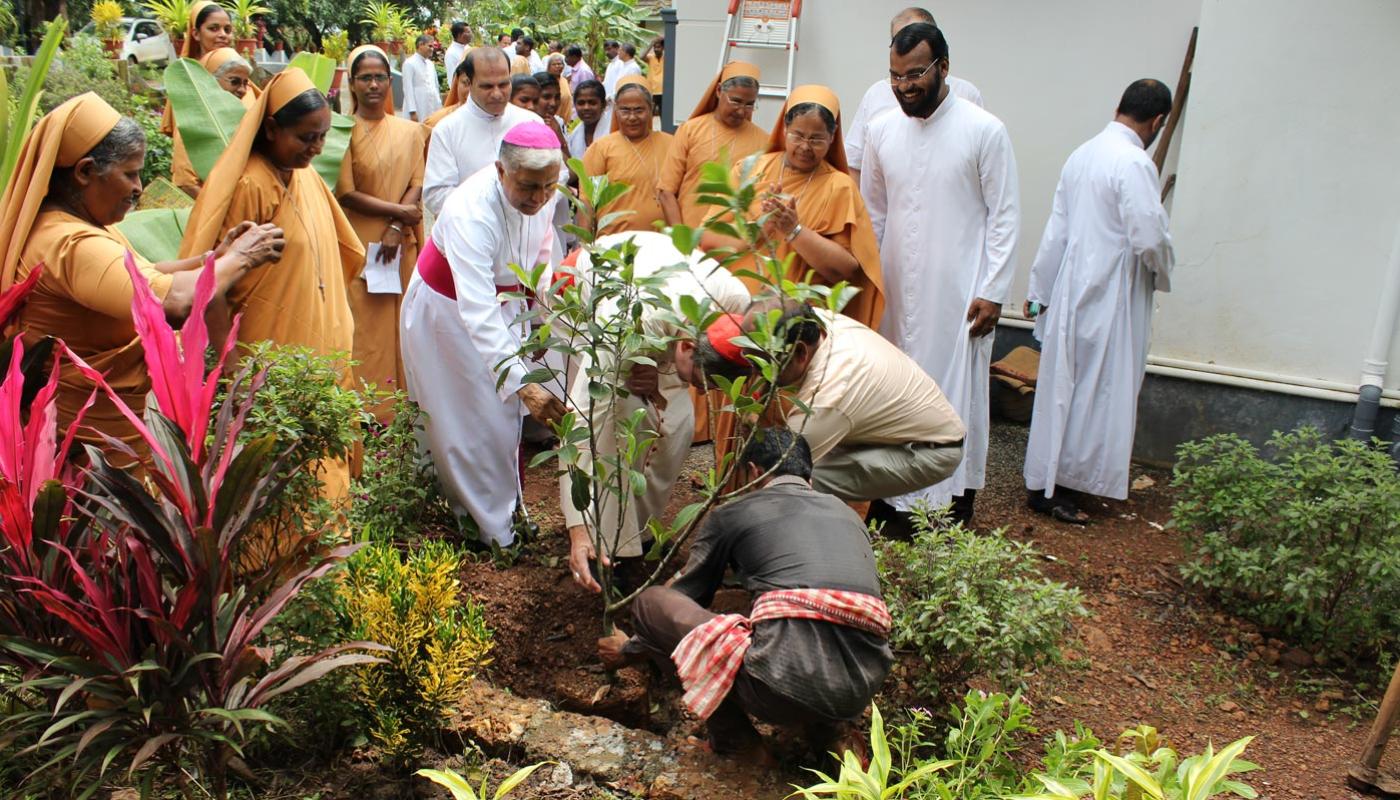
(590, 325)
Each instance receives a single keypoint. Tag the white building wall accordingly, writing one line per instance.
(1288, 156)
(1288, 197)
(1052, 70)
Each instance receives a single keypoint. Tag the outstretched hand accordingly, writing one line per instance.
(543, 406)
(610, 650)
(581, 556)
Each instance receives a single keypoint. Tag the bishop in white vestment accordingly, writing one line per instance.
(460, 338)
(469, 138)
(1105, 251)
(940, 183)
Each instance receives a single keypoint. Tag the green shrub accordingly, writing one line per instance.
(159, 148)
(971, 603)
(305, 407)
(1306, 543)
(413, 604)
(977, 761)
(83, 66)
(397, 494)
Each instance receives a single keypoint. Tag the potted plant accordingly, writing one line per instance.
(380, 16)
(402, 33)
(336, 46)
(245, 31)
(173, 16)
(107, 24)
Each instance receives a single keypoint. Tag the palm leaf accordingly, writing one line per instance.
(319, 68)
(17, 128)
(155, 233)
(327, 164)
(205, 114)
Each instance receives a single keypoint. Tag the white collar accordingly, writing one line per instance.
(481, 113)
(1126, 133)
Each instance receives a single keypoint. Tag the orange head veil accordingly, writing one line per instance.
(207, 218)
(215, 59)
(60, 139)
(188, 49)
(824, 97)
(734, 69)
(637, 80)
(389, 90)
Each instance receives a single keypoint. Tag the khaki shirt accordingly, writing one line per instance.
(862, 390)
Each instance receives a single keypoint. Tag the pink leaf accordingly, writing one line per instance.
(14, 297)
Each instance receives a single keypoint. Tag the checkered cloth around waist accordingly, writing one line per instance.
(709, 657)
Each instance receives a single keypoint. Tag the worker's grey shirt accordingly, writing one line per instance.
(789, 536)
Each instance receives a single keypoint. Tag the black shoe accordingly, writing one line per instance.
(1059, 507)
(894, 524)
(960, 511)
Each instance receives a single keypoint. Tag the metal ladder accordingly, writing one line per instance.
(762, 25)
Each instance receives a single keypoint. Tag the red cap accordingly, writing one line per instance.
(722, 334)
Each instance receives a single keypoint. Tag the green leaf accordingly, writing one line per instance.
(515, 780)
(327, 164)
(18, 126)
(205, 115)
(155, 233)
(1133, 773)
(461, 790)
(319, 68)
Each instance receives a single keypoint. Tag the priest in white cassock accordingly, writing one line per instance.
(461, 43)
(468, 139)
(421, 96)
(1105, 251)
(940, 183)
(879, 98)
(660, 389)
(460, 339)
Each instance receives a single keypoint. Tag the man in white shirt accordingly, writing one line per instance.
(525, 48)
(658, 389)
(461, 43)
(469, 138)
(879, 98)
(460, 339)
(626, 64)
(1105, 252)
(940, 183)
(421, 96)
(612, 49)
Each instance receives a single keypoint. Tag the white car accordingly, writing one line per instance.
(143, 40)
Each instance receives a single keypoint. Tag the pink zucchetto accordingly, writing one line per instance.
(533, 135)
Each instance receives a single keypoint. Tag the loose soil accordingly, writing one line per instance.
(1152, 651)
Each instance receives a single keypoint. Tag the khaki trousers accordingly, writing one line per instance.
(873, 472)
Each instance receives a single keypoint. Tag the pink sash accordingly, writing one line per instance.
(437, 273)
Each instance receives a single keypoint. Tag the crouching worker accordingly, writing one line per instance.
(814, 650)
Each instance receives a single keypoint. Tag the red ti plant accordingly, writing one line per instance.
(149, 658)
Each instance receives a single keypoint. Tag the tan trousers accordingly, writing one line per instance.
(872, 472)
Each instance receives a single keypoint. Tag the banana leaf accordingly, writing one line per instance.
(15, 129)
(155, 233)
(327, 164)
(319, 68)
(206, 115)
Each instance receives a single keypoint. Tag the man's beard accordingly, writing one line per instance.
(925, 105)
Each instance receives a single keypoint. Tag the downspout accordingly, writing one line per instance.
(1373, 369)
(668, 81)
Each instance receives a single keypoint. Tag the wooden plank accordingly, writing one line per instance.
(1183, 88)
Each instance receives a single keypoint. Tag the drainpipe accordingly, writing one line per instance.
(1373, 370)
(668, 81)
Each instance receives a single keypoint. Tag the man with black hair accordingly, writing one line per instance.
(1106, 251)
(579, 71)
(940, 183)
(525, 48)
(421, 96)
(880, 98)
(461, 43)
(877, 424)
(470, 137)
(813, 651)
